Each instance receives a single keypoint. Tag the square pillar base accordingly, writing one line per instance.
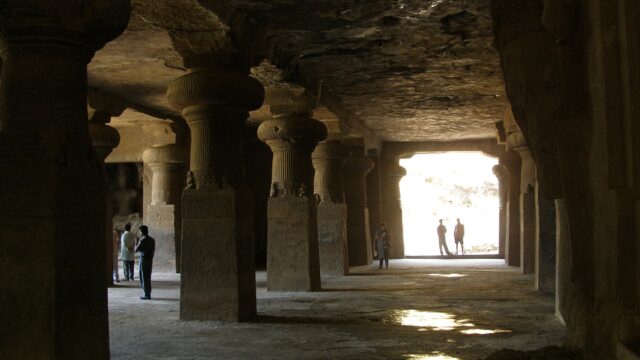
(292, 248)
(332, 239)
(218, 270)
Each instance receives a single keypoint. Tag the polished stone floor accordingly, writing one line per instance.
(417, 309)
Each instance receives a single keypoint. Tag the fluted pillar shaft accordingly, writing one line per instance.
(292, 251)
(354, 173)
(511, 162)
(528, 213)
(53, 298)
(503, 193)
(217, 262)
(328, 158)
(163, 215)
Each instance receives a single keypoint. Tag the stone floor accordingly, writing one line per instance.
(417, 309)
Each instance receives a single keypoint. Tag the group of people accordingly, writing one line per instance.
(383, 241)
(129, 244)
(458, 237)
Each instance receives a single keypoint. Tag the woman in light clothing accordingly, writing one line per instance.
(127, 255)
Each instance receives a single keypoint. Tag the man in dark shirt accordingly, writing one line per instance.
(146, 246)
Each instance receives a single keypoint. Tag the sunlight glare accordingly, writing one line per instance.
(448, 186)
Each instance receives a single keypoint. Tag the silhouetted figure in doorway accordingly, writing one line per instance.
(383, 243)
(146, 246)
(458, 236)
(442, 242)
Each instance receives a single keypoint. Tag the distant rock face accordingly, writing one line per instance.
(410, 70)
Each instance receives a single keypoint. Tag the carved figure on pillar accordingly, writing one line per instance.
(217, 268)
(292, 136)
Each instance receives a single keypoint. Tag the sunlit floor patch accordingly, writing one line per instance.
(448, 275)
(483, 331)
(436, 355)
(428, 319)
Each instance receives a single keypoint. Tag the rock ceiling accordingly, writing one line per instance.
(403, 70)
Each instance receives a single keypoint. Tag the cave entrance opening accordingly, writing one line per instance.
(448, 186)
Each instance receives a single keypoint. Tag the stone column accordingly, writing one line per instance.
(511, 162)
(545, 239)
(217, 266)
(53, 294)
(163, 215)
(528, 213)
(292, 250)
(257, 162)
(503, 193)
(391, 205)
(563, 257)
(354, 174)
(328, 158)
(104, 139)
(373, 196)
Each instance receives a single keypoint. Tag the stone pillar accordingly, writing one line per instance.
(503, 193)
(328, 158)
(163, 215)
(563, 257)
(104, 139)
(354, 173)
(53, 295)
(391, 205)
(545, 270)
(528, 213)
(217, 266)
(257, 162)
(511, 162)
(373, 196)
(292, 249)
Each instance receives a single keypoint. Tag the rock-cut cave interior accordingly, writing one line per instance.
(254, 162)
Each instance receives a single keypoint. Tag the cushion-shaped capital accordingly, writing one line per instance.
(297, 128)
(91, 23)
(331, 150)
(164, 154)
(227, 87)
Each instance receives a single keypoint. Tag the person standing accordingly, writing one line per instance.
(114, 255)
(458, 236)
(383, 243)
(442, 242)
(127, 255)
(146, 246)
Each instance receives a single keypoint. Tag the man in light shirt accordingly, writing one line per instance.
(127, 255)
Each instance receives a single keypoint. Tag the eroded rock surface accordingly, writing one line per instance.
(409, 70)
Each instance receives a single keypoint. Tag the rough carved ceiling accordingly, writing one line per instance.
(408, 70)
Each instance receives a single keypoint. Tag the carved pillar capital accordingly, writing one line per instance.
(500, 172)
(215, 104)
(163, 161)
(63, 24)
(292, 138)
